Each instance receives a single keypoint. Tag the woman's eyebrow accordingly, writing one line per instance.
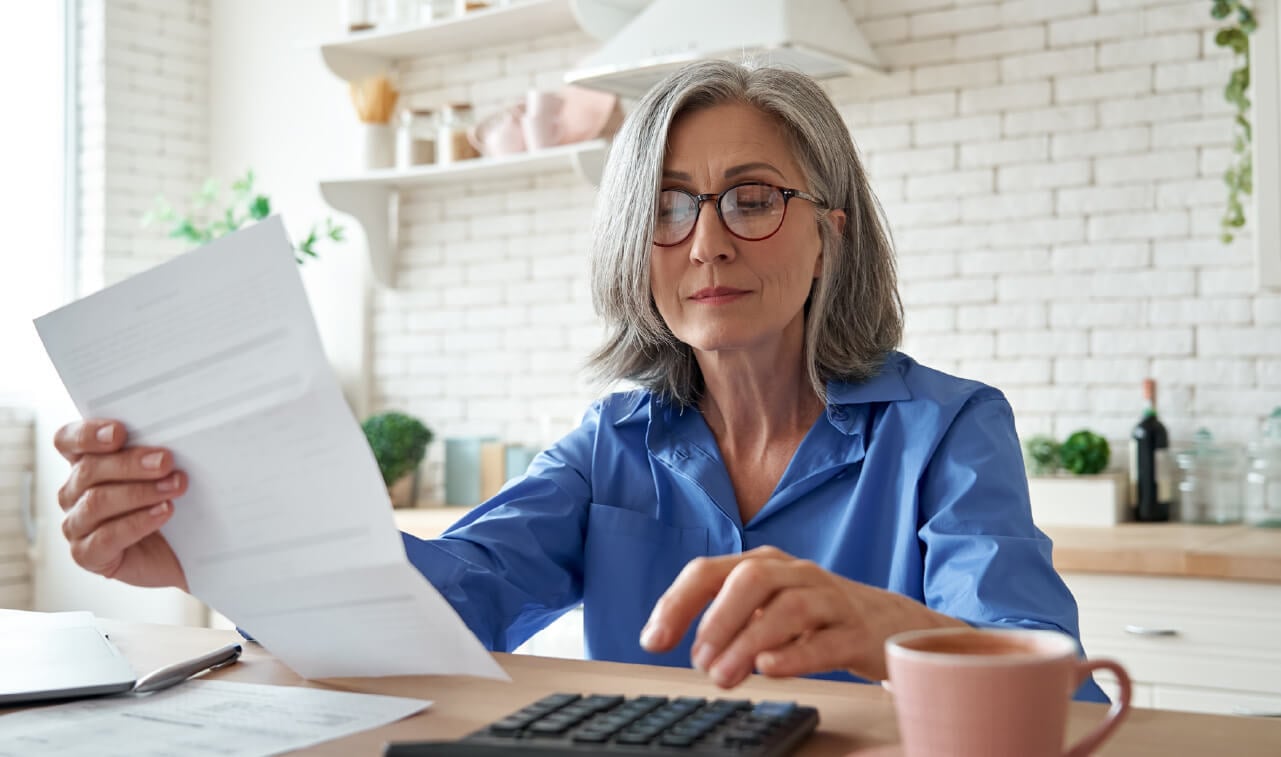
(729, 172)
(746, 167)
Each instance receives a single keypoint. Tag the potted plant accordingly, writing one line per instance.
(1069, 483)
(399, 443)
(206, 219)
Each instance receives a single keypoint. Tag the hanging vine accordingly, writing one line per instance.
(1239, 176)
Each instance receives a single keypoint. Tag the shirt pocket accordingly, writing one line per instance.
(630, 559)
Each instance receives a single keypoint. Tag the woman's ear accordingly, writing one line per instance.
(837, 218)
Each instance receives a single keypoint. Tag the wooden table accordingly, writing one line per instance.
(855, 718)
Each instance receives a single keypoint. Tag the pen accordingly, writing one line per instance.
(178, 672)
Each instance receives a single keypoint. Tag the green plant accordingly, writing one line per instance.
(399, 442)
(1085, 453)
(206, 219)
(1239, 176)
(1041, 453)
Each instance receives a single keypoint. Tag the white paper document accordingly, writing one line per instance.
(286, 527)
(220, 718)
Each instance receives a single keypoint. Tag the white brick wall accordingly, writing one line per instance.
(17, 461)
(1051, 174)
(143, 115)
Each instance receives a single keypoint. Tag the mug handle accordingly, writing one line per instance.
(1116, 713)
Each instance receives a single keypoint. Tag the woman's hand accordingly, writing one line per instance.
(115, 500)
(782, 616)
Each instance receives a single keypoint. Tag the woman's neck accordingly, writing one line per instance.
(753, 398)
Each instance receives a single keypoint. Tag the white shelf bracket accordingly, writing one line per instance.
(353, 66)
(375, 209)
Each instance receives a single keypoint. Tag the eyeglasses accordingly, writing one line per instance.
(751, 211)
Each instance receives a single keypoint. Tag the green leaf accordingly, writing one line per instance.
(1220, 10)
(1085, 453)
(260, 208)
(245, 185)
(208, 193)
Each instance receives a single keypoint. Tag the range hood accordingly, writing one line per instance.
(644, 40)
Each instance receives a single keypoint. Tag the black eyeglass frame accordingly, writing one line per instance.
(699, 199)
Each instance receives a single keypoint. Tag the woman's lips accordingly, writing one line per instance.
(717, 295)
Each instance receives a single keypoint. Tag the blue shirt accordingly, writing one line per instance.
(911, 481)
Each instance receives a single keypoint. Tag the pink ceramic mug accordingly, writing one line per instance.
(966, 692)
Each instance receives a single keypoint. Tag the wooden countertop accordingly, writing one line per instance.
(856, 719)
(1170, 549)
(1154, 549)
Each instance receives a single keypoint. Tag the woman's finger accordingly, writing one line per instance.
(695, 586)
(90, 436)
(751, 585)
(133, 464)
(832, 648)
(102, 551)
(793, 612)
(110, 501)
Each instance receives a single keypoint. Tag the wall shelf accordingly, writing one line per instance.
(356, 56)
(372, 197)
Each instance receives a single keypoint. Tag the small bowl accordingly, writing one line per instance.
(588, 114)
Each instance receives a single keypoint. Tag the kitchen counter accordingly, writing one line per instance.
(1170, 549)
(1153, 549)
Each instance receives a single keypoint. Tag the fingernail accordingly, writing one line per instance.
(702, 656)
(726, 673)
(159, 509)
(106, 434)
(152, 461)
(167, 484)
(651, 636)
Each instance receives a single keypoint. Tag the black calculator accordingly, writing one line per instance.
(610, 724)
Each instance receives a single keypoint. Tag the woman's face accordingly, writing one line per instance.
(715, 291)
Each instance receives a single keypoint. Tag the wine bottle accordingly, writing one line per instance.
(1150, 463)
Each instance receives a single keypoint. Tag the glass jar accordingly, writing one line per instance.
(1210, 489)
(453, 143)
(399, 14)
(435, 11)
(416, 138)
(1263, 478)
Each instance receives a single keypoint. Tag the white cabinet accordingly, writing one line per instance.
(1189, 644)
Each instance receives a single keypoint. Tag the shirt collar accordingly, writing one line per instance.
(887, 385)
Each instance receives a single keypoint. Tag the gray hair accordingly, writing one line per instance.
(854, 316)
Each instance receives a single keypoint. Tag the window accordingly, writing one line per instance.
(33, 69)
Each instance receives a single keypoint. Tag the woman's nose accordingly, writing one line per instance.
(710, 239)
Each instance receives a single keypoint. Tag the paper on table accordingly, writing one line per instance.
(221, 718)
(286, 527)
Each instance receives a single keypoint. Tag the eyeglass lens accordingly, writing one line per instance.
(750, 211)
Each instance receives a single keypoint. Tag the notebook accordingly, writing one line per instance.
(57, 656)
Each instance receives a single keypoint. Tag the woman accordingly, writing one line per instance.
(782, 471)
